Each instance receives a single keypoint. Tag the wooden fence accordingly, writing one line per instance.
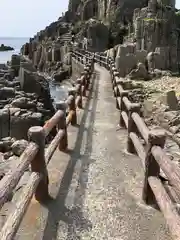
(148, 145)
(38, 157)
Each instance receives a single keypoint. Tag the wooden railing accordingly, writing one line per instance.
(148, 145)
(38, 157)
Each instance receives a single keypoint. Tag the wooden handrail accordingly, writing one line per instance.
(153, 158)
(168, 209)
(12, 177)
(36, 155)
(14, 219)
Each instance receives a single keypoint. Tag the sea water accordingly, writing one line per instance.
(16, 43)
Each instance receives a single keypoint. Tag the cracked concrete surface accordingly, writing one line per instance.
(96, 185)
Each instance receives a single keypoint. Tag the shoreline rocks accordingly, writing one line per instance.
(25, 101)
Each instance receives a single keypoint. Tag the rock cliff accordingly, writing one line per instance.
(141, 26)
(118, 10)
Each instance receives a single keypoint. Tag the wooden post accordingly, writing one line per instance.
(156, 138)
(63, 144)
(84, 86)
(115, 74)
(79, 91)
(72, 107)
(37, 135)
(122, 107)
(117, 94)
(135, 107)
(88, 79)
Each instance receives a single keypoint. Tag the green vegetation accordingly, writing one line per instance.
(154, 19)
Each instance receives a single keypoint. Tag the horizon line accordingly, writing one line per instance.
(13, 37)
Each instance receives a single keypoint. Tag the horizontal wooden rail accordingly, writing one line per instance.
(168, 167)
(12, 177)
(152, 155)
(166, 206)
(143, 129)
(13, 221)
(139, 148)
(38, 157)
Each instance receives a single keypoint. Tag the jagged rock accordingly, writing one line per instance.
(19, 146)
(15, 63)
(14, 110)
(4, 122)
(31, 82)
(60, 76)
(7, 155)
(23, 103)
(169, 98)
(139, 73)
(7, 92)
(67, 58)
(24, 122)
(5, 144)
(4, 48)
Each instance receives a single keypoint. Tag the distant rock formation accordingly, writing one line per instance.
(4, 48)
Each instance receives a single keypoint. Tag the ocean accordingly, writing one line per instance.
(16, 43)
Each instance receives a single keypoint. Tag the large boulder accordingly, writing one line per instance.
(15, 63)
(19, 146)
(32, 82)
(139, 73)
(4, 122)
(24, 121)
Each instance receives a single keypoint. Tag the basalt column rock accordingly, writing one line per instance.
(15, 63)
(37, 56)
(31, 82)
(56, 54)
(155, 31)
(4, 123)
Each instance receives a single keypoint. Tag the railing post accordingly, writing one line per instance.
(87, 76)
(36, 134)
(117, 94)
(156, 138)
(135, 107)
(84, 85)
(122, 107)
(63, 144)
(79, 92)
(115, 74)
(72, 107)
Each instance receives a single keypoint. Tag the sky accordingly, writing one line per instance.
(22, 18)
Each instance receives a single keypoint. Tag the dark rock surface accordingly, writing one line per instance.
(25, 101)
(4, 48)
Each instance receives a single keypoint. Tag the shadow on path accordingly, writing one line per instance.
(73, 218)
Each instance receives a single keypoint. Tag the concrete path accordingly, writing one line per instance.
(97, 186)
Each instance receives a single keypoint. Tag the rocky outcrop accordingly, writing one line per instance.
(152, 42)
(121, 10)
(4, 48)
(24, 102)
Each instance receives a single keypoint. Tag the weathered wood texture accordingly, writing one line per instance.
(153, 157)
(10, 180)
(13, 221)
(36, 155)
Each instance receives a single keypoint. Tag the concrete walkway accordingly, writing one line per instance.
(97, 186)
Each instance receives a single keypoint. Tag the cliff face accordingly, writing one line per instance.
(120, 10)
